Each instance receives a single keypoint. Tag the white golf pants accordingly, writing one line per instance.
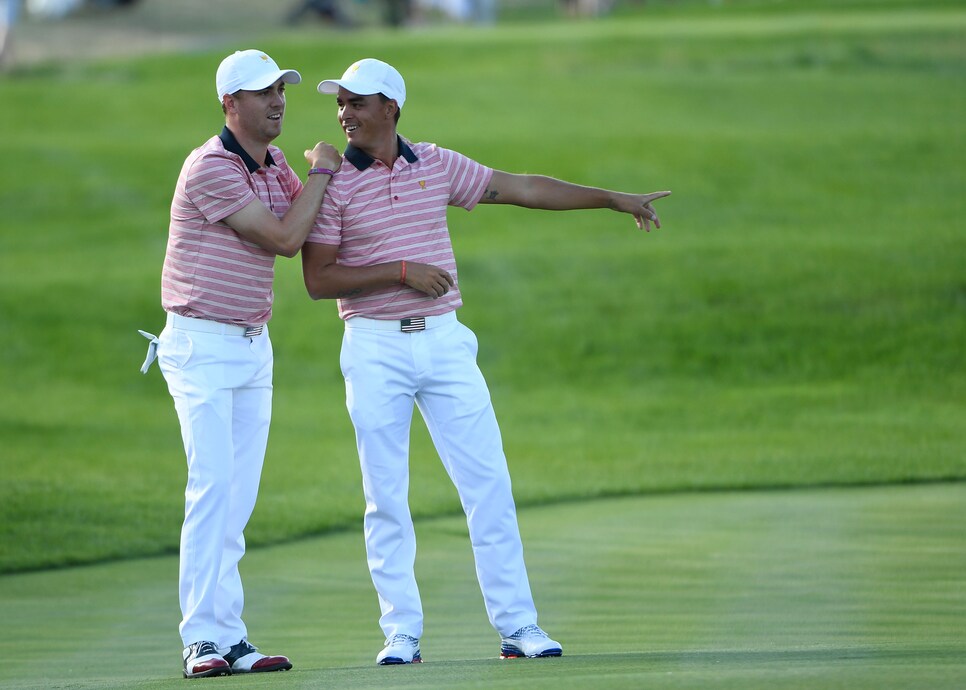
(386, 371)
(222, 391)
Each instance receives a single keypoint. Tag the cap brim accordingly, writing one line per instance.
(288, 76)
(331, 86)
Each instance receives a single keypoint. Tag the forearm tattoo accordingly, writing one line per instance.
(490, 194)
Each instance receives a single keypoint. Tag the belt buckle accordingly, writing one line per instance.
(252, 331)
(412, 325)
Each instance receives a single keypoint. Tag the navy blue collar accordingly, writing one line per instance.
(231, 144)
(362, 160)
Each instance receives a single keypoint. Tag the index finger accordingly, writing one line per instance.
(654, 196)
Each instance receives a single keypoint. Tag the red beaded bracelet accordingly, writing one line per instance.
(402, 277)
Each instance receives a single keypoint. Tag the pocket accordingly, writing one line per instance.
(174, 348)
(343, 355)
(470, 340)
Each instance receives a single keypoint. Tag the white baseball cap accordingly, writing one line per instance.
(250, 70)
(369, 76)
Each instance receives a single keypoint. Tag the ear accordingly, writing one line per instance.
(228, 102)
(391, 108)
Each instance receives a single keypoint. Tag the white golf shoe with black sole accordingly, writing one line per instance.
(530, 642)
(400, 649)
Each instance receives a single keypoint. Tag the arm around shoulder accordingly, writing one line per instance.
(285, 235)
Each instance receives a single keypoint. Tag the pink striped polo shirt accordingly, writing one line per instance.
(210, 271)
(376, 215)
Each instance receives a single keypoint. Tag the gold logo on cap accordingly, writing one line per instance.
(264, 57)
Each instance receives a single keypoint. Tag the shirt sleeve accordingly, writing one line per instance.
(218, 186)
(468, 178)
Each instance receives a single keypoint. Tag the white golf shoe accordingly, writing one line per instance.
(530, 642)
(400, 649)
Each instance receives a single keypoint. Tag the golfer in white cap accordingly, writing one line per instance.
(237, 205)
(382, 247)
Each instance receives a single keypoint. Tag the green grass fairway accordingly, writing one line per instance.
(838, 588)
(738, 444)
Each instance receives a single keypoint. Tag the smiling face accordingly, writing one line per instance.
(368, 121)
(258, 114)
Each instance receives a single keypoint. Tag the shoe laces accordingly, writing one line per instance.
(237, 651)
(400, 637)
(531, 630)
(203, 649)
